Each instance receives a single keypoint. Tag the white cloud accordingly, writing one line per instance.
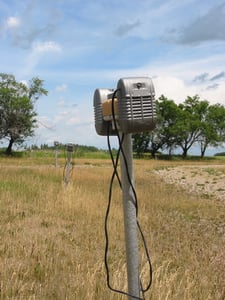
(10, 25)
(12, 22)
(44, 123)
(61, 103)
(38, 51)
(61, 88)
(176, 80)
(178, 89)
(171, 87)
(73, 121)
(209, 27)
(48, 46)
(73, 66)
(123, 29)
(61, 117)
(33, 20)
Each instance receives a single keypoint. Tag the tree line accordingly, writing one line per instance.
(194, 122)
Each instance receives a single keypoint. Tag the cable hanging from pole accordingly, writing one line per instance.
(121, 112)
(115, 174)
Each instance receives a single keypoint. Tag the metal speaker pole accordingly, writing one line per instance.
(130, 222)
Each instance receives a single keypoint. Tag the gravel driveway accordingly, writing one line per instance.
(202, 179)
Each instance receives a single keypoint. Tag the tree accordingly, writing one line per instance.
(17, 113)
(192, 122)
(213, 128)
(162, 137)
(189, 125)
(140, 143)
(167, 115)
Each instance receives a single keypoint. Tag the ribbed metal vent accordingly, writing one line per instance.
(137, 108)
(98, 112)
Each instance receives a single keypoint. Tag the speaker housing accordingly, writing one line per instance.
(134, 107)
(136, 104)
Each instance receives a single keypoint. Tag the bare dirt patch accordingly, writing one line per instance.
(208, 180)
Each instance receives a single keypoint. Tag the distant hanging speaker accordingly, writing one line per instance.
(69, 147)
(134, 107)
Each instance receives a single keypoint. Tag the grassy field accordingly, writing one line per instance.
(52, 235)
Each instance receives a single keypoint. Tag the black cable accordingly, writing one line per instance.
(115, 173)
(134, 192)
(115, 164)
(120, 140)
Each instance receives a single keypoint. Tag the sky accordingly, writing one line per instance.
(78, 46)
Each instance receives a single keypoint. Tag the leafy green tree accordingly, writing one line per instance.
(155, 143)
(140, 143)
(213, 128)
(162, 137)
(192, 122)
(188, 128)
(165, 133)
(17, 112)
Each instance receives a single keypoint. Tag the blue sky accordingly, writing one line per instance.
(77, 46)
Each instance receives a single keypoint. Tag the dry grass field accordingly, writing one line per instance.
(52, 235)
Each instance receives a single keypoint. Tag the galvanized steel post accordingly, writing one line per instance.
(130, 222)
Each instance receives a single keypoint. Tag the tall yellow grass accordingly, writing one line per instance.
(52, 235)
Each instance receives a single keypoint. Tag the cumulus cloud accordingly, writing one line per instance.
(188, 78)
(201, 78)
(47, 46)
(12, 22)
(38, 51)
(209, 27)
(35, 22)
(66, 114)
(206, 80)
(205, 77)
(123, 29)
(73, 121)
(218, 76)
(61, 117)
(61, 103)
(44, 122)
(61, 88)
(171, 87)
(212, 86)
(67, 104)
(9, 26)
(177, 89)
(24, 35)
